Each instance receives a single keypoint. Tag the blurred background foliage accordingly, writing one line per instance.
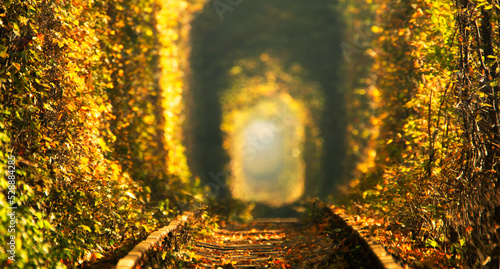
(260, 89)
(299, 52)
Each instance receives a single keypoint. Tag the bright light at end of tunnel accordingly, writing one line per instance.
(265, 148)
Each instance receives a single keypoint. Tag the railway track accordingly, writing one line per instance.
(261, 243)
(326, 241)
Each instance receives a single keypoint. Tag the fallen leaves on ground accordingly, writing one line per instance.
(323, 242)
(397, 240)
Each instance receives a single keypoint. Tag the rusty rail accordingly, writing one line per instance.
(167, 237)
(387, 261)
(178, 231)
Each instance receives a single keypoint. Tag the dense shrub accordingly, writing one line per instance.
(83, 111)
(433, 181)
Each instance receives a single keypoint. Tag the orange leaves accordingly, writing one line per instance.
(418, 127)
(17, 66)
(376, 29)
(58, 81)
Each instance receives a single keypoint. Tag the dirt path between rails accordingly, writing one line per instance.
(280, 243)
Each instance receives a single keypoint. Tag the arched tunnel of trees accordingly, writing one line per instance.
(118, 116)
(264, 51)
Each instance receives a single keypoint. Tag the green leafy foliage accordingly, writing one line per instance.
(432, 184)
(82, 111)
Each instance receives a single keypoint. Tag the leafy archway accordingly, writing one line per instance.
(266, 120)
(292, 33)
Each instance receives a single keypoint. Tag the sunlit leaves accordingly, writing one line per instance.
(56, 111)
(420, 131)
